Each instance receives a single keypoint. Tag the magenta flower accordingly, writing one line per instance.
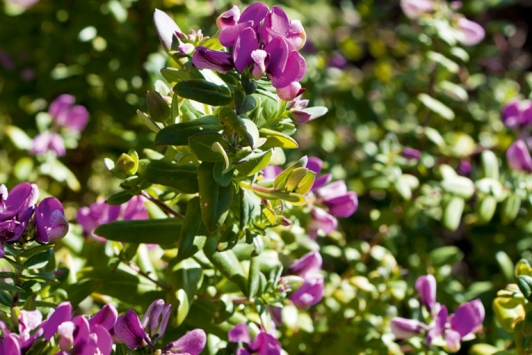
(417, 8)
(192, 343)
(50, 221)
(129, 331)
(308, 265)
(517, 114)
(263, 344)
(48, 141)
(411, 153)
(228, 18)
(472, 32)
(9, 343)
(72, 118)
(264, 41)
(16, 209)
(468, 317)
(64, 113)
(518, 156)
(100, 213)
(455, 328)
(133, 332)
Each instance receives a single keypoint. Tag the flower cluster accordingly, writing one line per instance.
(100, 213)
(263, 344)
(260, 41)
(20, 215)
(64, 115)
(96, 335)
(445, 330)
(469, 33)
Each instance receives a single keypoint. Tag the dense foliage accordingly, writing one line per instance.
(301, 177)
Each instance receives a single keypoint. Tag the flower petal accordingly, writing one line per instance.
(246, 43)
(205, 58)
(62, 313)
(191, 343)
(239, 334)
(129, 331)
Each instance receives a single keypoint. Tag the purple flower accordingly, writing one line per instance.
(16, 209)
(517, 114)
(417, 8)
(48, 142)
(411, 153)
(66, 114)
(263, 344)
(467, 318)
(228, 18)
(310, 293)
(426, 289)
(106, 317)
(518, 156)
(27, 322)
(9, 343)
(191, 343)
(205, 58)
(404, 328)
(50, 221)
(270, 50)
(156, 318)
(472, 32)
(308, 265)
(100, 213)
(129, 331)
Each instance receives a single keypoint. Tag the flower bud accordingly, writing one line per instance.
(157, 107)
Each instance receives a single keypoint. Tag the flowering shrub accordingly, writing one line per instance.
(348, 177)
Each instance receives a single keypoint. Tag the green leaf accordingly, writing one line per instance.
(173, 75)
(40, 260)
(445, 62)
(18, 137)
(215, 200)
(292, 197)
(150, 231)
(452, 90)
(179, 133)
(221, 177)
(253, 277)
(447, 255)
(243, 127)
(217, 148)
(277, 139)
(227, 263)
(254, 163)
(525, 286)
(243, 102)
(436, 106)
(193, 231)
(506, 265)
(490, 165)
(204, 92)
(119, 198)
(510, 208)
(486, 206)
(452, 213)
(147, 121)
(459, 186)
(186, 279)
(280, 180)
(9, 287)
(201, 144)
(181, 177)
